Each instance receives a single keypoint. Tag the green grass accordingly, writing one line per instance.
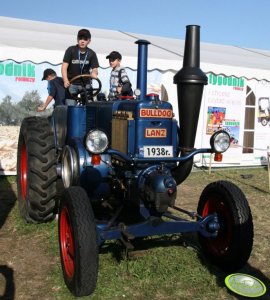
(6, 181)
(169, 267)
(162, 272)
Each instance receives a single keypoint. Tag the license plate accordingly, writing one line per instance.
(158, 151)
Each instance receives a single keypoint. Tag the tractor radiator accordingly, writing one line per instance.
(120, 130)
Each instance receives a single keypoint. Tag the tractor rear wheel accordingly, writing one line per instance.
(231, 249)
(36, 171)
(78, 241)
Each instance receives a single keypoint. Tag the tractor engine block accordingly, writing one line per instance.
(158, 189)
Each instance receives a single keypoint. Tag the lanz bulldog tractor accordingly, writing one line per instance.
(119, 163)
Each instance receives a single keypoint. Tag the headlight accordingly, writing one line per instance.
(220, 141)
(137, 92)
(96, 141)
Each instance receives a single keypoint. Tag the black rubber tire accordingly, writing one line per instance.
(231, 249)
(264, 121)
(36, 171)
(78, 241)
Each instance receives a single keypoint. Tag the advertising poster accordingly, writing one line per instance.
(215, 118)
(224, 103)
(233, 128)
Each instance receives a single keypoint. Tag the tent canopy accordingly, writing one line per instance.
(25, 40)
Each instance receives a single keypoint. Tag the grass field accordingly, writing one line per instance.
(169, 267)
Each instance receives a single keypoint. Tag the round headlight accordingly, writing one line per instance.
(220, 141)
(96, 141)
(137, 92)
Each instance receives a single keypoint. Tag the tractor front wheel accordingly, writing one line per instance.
(231, 248)
(78, 242)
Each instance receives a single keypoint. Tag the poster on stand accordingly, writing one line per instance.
(224, 101)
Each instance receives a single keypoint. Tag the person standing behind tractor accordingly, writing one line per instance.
(55, 88)
(119, 82)
(79, 60)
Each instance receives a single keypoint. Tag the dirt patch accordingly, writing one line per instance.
(8, 149)
(24, 263)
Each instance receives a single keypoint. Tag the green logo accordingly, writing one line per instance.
(232, 123)
(245, 285)
(225, 80)
(21, 72)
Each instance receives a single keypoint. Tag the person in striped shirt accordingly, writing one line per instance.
(119, 82)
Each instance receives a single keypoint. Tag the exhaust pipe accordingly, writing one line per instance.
(190, 82)
(142, 67)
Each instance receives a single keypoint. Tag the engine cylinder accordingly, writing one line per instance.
(157, 189)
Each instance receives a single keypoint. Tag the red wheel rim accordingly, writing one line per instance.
(66, 242)
(219, 245)
(23, 164)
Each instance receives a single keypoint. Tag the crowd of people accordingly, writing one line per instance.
(80, 60)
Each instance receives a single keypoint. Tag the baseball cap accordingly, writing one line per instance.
(48, 72)
(114, 55)
(84, 33)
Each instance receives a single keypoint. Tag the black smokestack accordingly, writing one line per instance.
(190, 81)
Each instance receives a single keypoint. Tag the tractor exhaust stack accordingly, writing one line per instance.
(190, 82)
(142, 67)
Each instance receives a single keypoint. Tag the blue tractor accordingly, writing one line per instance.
(118, 164)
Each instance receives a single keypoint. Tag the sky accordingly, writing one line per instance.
(243, 23)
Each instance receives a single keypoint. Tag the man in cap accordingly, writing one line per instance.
(55, 88)
(119, 82)
(78, 60)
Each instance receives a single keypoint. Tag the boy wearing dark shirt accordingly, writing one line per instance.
(78, 60)
(56, 89)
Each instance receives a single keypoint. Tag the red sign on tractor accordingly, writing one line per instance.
(155, 132)
(156, 113)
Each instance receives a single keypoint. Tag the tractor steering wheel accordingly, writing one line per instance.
(87, 94)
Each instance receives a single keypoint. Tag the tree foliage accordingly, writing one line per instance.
(29, 103)
(7, 111)
(13, 113)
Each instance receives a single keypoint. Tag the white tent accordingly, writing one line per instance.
(23, 40)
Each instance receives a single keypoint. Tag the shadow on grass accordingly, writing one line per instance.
(247, 269)
(192, 241)
(220, 275)
(9, 289)
(7, 202)
(7, 199)
(142, 246)
(246, 180)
